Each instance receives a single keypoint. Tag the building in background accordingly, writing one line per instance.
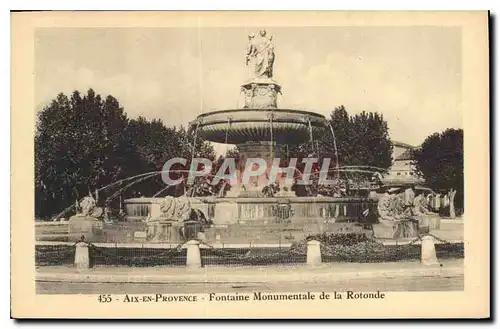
(402, 171)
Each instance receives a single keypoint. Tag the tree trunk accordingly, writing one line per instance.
(451, 196)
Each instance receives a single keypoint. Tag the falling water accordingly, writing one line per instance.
(135, 179)
(348, 170)
(271, 130)
(114, 195)
(227, 130)
(193, 150)
(106, 187)
(334, 146)
(375, 169)
(162, 190)
(310, 130)
(194, 141)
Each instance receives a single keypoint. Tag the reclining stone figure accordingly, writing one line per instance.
(395, 210)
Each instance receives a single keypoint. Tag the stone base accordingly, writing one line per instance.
(254, 186)
(266, 150)
(431, 222)
(226, 213)
(396, 230)
(82, 260)
(164, 231)
(192, 230)
(89, 227)
(428, 252)
(193, 256)
(435, 222)
(261, 94)
(313, 253)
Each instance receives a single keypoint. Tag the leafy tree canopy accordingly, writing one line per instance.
(440, 161)
(86, 142)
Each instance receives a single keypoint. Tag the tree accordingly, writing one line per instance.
(440, 161)
(156, 144)
(340, 128)
(80, 145)
(86, 143)
(370, 142)
(360, 142)
(153, 142)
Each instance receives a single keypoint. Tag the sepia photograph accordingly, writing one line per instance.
(253, 162)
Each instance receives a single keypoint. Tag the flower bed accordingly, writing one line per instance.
(137, 257)
(358, 248)
(347, 247)
(251, 257)
(54, 255)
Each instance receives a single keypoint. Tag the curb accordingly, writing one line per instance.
(200, 276)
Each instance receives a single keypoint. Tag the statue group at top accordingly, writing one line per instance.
(260, 55)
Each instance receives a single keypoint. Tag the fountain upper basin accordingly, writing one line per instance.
(242, 125)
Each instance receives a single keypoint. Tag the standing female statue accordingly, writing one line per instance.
(260, 56)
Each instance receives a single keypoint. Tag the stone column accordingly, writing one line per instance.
(313, 253)
(428, 251)
(225, 213)
(193, 258)
(82, 259)
(266, 150)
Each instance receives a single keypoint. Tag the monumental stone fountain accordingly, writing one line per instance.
(245, 215)
(259, 127)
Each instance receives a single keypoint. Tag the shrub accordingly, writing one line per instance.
(343, 239)
(54, 255)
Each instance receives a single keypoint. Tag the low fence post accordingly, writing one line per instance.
(82, 259)
(193, 257)
(428, 251)
(313, 253)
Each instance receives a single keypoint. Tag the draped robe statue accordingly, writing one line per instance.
(260, 56)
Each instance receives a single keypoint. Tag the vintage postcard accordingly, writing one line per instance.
(250, 165)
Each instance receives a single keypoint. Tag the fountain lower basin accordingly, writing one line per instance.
(239, 221)
(248, 208)
(259, 220)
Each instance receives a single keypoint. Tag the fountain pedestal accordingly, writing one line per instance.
(89, 227)
(252, 186)
(259, 124)
(261, 94)
(160, 230)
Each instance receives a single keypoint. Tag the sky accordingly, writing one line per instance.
(411, 75)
